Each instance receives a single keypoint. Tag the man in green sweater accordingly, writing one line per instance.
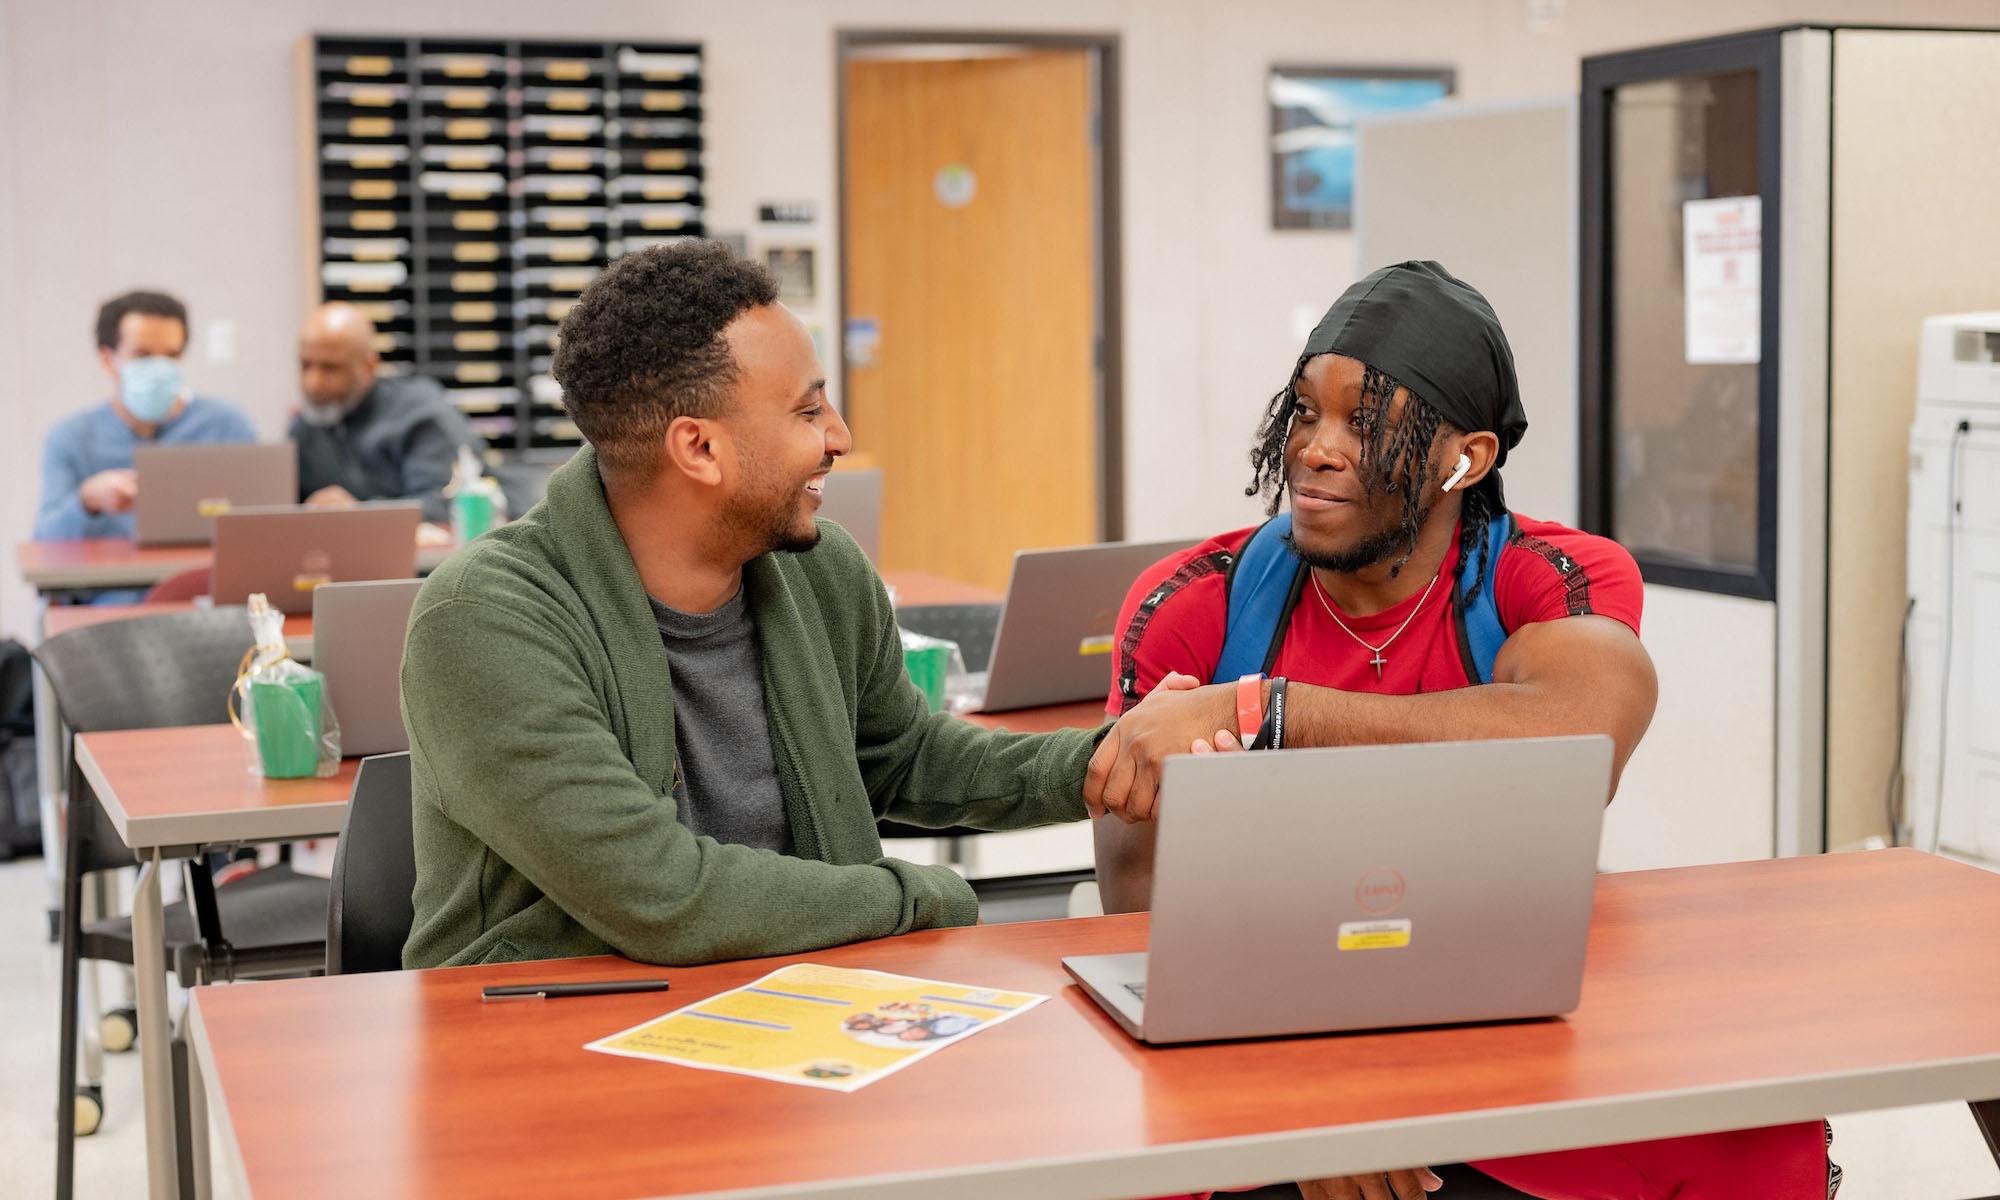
(660, 714)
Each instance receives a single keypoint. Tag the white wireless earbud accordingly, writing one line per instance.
(1458, 472)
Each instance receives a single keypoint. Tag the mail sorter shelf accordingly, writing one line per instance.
(470, 189)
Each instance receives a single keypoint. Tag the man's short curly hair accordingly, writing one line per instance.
(644, 346)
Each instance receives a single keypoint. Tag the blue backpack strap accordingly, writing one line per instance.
(1261, 585)
(1479, 630)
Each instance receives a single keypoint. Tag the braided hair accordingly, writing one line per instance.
(1395, 459)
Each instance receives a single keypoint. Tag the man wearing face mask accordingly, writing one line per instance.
(88, 488)
(362, 436)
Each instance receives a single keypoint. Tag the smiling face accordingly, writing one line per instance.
(1349, 511)
(783, 434)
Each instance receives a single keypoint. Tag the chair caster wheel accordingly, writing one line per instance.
(117, 1029)
(89, 1110)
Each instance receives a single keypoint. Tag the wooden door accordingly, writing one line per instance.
(969, 203)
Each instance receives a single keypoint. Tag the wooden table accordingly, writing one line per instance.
(1714, 998)
(123, 563)
(921, 587)
(170, 793)
(1084, 714)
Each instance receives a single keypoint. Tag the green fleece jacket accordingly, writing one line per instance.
(541, 719)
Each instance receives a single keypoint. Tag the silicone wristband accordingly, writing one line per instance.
(1249, 706)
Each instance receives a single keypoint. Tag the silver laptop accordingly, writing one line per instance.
(182, 489)
(1057, 638)
(288, 552)
(358, 645)
(853, 500)
(1364, 887)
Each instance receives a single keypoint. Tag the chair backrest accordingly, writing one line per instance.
(180, 586)
(147, 672)
(374, 871)
(972, 626)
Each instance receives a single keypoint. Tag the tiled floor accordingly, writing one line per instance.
(1931, 1152)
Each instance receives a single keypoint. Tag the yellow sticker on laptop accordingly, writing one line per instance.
(1374, 935)
(213, 507)
(307, 582)
(1101, 644)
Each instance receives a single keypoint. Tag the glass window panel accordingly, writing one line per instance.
(1683, 436)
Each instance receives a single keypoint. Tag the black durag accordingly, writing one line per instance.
(1437, 336)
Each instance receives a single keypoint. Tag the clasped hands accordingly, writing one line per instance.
(1181, 715)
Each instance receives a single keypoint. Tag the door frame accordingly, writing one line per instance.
(1108, 267)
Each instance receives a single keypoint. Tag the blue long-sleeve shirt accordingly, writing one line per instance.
(98, 439)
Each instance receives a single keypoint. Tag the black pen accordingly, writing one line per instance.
(552, 991)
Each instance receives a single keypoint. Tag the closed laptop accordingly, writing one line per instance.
(182, 489)
(287, 553)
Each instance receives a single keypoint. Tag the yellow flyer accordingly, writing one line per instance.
(822, 1027)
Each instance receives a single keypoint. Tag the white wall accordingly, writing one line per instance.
(155, 143)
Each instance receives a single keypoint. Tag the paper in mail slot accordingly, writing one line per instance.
(465, 129)
(477, 340)
(473, 281)
(372, 219)
(662, 101)
(475, 310)
(368, 64)
(478, 221)
(373, 189)
(566, 68)
(666, 160)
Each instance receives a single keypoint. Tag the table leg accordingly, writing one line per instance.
(49, 774)
(149, 954)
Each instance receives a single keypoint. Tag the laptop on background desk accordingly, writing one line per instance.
(358, 631)
(1364, 887)
(182, 489)
(1057, 629)
(288, 552)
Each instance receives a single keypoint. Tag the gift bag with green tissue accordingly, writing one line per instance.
(281, 706)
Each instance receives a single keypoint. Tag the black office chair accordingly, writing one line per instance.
(147, 673)
(369, 912)
(972, 626)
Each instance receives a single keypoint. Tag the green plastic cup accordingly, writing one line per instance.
(286, 715)
(927, 660)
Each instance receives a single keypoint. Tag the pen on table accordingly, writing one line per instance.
(553, 991)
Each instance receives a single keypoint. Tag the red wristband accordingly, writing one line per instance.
(1249, 706)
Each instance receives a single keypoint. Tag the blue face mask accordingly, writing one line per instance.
(148, 387)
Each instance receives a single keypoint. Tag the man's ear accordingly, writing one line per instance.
(1482, 448)
(105, 360)
(694, 449)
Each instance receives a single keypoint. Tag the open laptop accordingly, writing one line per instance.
(358, 645)
(286, 553)
(1057, 629)
(182, 489)
(852, 498)
(1364, 887)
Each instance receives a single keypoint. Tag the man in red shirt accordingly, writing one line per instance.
(1388, 441)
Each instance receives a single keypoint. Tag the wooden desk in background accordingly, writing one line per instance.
(1714, 998)
(97, 563)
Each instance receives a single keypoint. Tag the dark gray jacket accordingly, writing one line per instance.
(399, 443)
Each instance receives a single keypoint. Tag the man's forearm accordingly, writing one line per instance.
(1321, 716)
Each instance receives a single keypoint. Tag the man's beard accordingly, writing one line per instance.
(770, 521)
(1393, 540)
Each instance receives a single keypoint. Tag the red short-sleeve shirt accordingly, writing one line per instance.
(1546, 572)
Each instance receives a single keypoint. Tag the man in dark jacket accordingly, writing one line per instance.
(362, 436)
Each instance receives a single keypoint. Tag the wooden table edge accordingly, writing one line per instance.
(213, 1095)
(1380, 1145)
(278, 823)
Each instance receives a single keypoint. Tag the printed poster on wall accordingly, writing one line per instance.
(1722, 247)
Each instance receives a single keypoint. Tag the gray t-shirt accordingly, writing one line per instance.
(729, 781)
